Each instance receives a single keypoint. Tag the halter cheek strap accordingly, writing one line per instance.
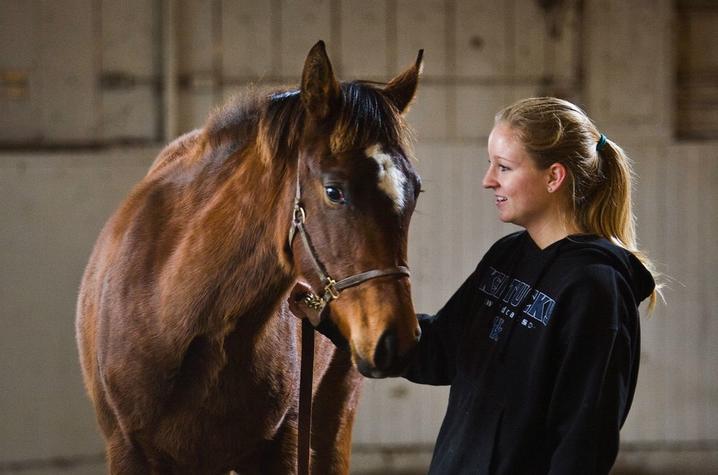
(330, 287)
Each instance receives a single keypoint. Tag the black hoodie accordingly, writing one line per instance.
(541, 350)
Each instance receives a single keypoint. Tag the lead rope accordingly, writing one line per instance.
(305, 399)
(306, 371)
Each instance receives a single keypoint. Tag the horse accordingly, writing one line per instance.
(188, 349)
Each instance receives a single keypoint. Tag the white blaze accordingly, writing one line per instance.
(391, 178)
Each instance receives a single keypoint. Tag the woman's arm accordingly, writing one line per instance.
(434, 361)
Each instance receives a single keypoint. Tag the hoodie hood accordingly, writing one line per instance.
(590, 249)
(581, 251)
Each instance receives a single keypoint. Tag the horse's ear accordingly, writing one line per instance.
(402, 88)
(320, 89)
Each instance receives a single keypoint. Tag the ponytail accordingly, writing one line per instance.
(609, 210)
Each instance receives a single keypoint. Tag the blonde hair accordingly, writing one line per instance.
(600, 176)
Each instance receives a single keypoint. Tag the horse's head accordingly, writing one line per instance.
(357, 192)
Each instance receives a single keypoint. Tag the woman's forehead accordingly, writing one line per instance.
(504, 144)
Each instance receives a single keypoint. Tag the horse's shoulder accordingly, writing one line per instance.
(176, 149)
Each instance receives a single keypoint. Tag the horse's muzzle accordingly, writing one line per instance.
(388, 361)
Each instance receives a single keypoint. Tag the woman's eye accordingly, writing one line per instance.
(335, 194)
(503, 168)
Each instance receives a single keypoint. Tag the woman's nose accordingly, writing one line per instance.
(489, 181)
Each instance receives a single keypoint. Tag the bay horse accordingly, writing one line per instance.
(188, 348)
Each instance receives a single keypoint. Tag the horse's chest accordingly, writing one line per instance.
(239, 404)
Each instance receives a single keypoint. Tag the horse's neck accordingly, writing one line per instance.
(257, 202)
(229, 261)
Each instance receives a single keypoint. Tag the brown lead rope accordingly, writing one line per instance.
(305, 398)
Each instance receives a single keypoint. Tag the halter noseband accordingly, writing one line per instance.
(331, 287)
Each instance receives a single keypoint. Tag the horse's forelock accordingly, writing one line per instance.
(366, 117)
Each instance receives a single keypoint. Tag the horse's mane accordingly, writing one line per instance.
(274, 121)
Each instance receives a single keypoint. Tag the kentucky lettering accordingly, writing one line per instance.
(496, 284)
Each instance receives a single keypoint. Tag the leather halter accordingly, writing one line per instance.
(331, 288)
(331, 291)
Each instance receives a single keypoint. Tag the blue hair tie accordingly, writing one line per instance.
(601, 143)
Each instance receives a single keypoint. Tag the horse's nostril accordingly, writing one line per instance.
(385, 351)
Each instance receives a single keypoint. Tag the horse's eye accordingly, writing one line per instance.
(335, 194)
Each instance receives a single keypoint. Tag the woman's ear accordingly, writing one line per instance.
(555, 176)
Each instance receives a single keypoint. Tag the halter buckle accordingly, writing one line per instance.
(331, 289)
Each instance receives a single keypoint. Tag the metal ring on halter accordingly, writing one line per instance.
(299, 215)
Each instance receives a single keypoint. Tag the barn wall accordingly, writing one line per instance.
(53, 206)
(92, 72)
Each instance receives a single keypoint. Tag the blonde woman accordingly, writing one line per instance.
(541, 343)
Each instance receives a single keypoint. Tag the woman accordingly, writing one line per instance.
(541, 343)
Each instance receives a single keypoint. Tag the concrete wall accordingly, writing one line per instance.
(613, 57)
(53, 206)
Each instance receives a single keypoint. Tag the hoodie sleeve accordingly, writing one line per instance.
(597, 365)
(435, 357)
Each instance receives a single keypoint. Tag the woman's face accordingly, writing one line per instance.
(520, 188)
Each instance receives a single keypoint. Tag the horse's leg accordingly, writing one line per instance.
(124, 458)
(279, 457)
(333, 411)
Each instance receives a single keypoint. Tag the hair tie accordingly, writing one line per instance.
(601, 143)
